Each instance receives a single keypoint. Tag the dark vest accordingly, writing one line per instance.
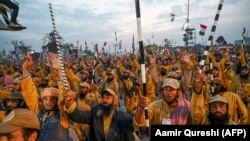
(51, 129)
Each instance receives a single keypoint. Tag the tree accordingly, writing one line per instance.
(52, 47)
(66, 48)
(20, 47)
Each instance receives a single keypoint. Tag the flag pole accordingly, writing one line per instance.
(203, 42)
(116, 44)
(244, 41)
(209, 44)
(95, 61)
(133, 44)
(59, 53)
(187, 30)
(244, 37)
(141, 49)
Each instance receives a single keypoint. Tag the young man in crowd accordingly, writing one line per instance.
(20, 125)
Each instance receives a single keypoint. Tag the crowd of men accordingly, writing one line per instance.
(37, 103)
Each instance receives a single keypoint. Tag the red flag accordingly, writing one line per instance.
(165, 51)
(172, 16)
(202, 29)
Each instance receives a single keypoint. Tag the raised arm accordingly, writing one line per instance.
(29, 90)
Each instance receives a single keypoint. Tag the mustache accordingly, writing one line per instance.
(10, 107)
(218, 113)
(105, 103)
(104, 110)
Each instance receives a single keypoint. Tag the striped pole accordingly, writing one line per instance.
(244, 37)
(93, 72)
(244, 42)
(143, 70)
(209, 44)
(116, 44)
(58, 47)
(133, 44)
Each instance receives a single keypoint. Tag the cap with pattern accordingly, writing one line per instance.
(172, 83)
(85, 84)
(110, 91)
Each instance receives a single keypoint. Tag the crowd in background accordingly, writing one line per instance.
(178, 92)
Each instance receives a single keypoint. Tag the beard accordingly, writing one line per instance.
(125, 77)
(43, 85)
(217, 90)
(206, 71)
(105, 110)
(82, 95)
(170, 102)
(163, 72)
(217, 59)
(8, 110)
(215, 74)
(243, 75)
(216, 119)
(179, 78)
(110, 79)
(84, 79)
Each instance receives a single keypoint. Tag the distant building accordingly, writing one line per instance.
(239, 42)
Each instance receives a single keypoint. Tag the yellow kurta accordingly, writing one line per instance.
(236, 107)
(157, 111)
(199, 108)
(30, 95)
(130, 100)
(106, 123)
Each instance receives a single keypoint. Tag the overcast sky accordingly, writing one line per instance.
(96, 21)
